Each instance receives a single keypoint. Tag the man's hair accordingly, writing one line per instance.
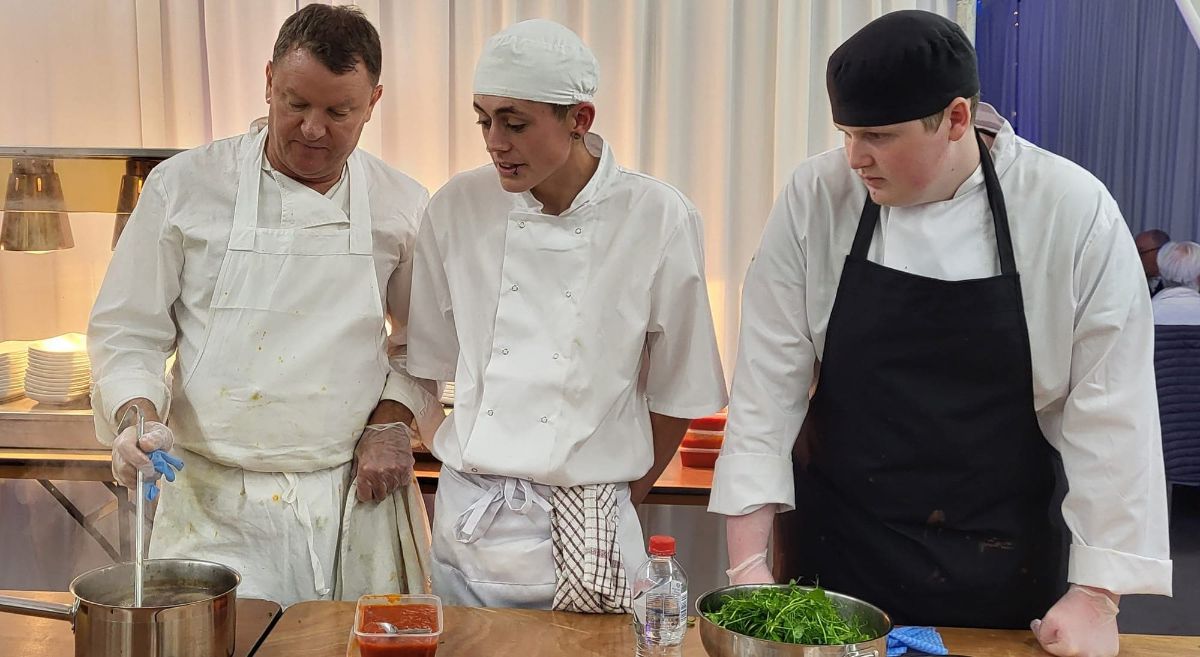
(1179, 264)
(1155, 236)
(934, 120)
(339, 37)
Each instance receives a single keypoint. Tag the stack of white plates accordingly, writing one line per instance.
(13, 360)
(448, 394)
(59, 371)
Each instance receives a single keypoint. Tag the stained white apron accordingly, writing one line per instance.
(292, 363)
(491, 541)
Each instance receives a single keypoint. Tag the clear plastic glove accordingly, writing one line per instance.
(129, 456)
(751, 571)
(383, 460)
(1083, 623)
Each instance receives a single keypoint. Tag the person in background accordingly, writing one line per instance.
(1148, 243)
(267, 263)
(985, 345)
(1179, 301)
(565, 296)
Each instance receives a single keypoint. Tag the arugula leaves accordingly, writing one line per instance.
(790, 615)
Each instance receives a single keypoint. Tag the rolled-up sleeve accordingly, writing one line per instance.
(131, 331)
(683, 371)
(432, 338)
(1110, 439)
(773, 374)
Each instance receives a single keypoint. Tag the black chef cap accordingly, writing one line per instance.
(902, 66)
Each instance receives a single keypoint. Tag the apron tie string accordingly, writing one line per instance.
(304, 515)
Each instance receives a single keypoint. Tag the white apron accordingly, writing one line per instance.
(267, 417)
(491, 541)
(385, 545)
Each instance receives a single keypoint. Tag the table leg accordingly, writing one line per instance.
(80, 518)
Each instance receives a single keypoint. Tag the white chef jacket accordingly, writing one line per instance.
(562, 333)
(157, 290)
(1090, 329)
(1176, 305)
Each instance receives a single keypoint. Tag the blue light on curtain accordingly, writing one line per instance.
(1113, 85)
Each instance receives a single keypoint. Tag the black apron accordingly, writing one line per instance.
(926, 486)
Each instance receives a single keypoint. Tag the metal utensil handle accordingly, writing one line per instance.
(862, 653)
(51, 610)
(139, 510)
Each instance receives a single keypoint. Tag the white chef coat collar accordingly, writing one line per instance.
(1178, 291)
(1004, 147)
(337, 186)
(605, 173)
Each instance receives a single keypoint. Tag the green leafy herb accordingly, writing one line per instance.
(790, 615)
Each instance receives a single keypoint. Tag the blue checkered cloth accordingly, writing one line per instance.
(922, 639)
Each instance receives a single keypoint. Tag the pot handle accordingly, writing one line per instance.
(862, 653)
(51, 610)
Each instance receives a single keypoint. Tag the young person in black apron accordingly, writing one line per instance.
(924, 482)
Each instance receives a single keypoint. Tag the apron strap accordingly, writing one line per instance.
(245, 207)
(360, 207)
(1008, 263)
(304, 515)
(870, 216)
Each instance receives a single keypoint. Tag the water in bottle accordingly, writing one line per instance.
(660, 602)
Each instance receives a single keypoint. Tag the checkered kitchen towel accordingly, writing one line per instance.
(589, 574)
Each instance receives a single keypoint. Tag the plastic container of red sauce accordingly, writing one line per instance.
(418, 616)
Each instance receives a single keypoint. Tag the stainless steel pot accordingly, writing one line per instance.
(189, 609)
(720, 642)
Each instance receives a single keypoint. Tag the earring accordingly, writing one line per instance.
(576, 136)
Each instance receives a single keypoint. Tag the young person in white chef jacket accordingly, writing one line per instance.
(267, 262)
(983, 445)
(565, 296)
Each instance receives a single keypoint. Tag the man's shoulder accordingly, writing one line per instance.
(478, 186)
(1051, 171)
(387, 177)
(825, 175)
(648, 189)
(1074, 196)
(221, 155)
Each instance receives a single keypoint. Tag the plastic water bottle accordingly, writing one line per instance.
(660, 602)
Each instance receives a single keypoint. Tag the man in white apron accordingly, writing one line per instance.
(565, 296)
(268, 262)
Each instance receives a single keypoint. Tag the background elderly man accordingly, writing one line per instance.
(1148, 243)
(1179, 300)
(267, 263)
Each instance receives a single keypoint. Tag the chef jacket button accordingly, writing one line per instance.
(578, 231)
(474, 469)
(504, 351)
(555, 356)
(521, 224)
(515, 288)
(491, 412)
(568, 294)
(545, 419)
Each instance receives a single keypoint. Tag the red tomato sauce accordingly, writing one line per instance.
(403, 617)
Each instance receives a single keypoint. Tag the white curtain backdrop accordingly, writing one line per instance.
(721, 98)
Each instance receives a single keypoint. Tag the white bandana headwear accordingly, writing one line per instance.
(537, 60)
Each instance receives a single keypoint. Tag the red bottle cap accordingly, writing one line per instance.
(662, 546)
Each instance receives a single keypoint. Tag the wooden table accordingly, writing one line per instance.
(322, 629)
(41, 637)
